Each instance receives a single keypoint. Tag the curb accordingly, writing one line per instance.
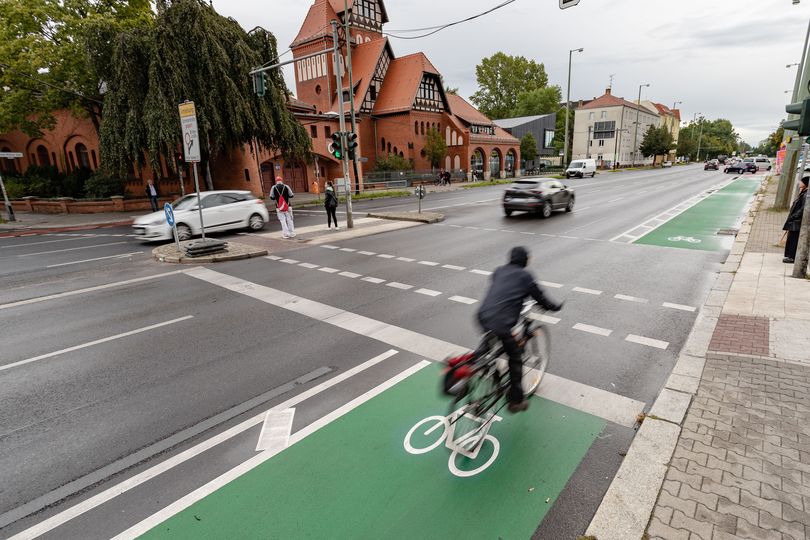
(627, 506)
(424, 217)
(234, 252)
(11, 233)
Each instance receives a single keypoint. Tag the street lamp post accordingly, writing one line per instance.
(568, 107)
(700, 138)
(672, 130)
(694, 119)
(638, 111)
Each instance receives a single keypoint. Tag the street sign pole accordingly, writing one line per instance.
(342, 116)
(9, 208)
(169, 211)
(191, 149)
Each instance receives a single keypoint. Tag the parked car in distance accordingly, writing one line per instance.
(539, 196)
(666, 164)
(741, 167)
(581, 168)
(763, 163)
(712, 165)
(221, 210)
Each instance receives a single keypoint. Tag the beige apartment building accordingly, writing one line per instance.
(671, 118)
(604, 130)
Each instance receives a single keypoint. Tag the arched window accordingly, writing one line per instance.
(42, 156)
(389, 148)
(82, 156)
(395, 150)
(401, 154)
(422, 126)
(457, 163)
(383, 144)
(416, 128)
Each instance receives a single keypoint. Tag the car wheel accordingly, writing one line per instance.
(546, 210)
(183, 232)
(570, 206)
(256, 222)
(507, 212)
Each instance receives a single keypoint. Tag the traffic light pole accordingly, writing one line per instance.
(351, 90)
(342, 117)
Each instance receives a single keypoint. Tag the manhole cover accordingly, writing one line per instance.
(728, 232)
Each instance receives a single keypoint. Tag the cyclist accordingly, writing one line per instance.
(500, 310)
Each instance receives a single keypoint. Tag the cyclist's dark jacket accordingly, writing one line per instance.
(511, 285)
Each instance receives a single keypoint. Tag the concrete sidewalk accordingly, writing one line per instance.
(741, 465)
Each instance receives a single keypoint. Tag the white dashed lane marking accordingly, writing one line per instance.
(351, 275)
(427, 292)
(308, 265)
(386, 256)
(587, 291)
(453, 267)
(327, 269)
(679, 306)
(649, 342)
(481, 272)
(593, 329)
(429, 263)
(369, 253)
(373, 280)
(405, 259)
(551, 284)
(290, 261)
(630, 298)
(463, 299)
(397, 285)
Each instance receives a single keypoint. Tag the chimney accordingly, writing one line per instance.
(607, 92)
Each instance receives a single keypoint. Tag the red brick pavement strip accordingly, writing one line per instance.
(742, 335)
(34, 232)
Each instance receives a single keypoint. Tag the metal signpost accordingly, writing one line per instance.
(191, 148)
(420, 193)
(9, 209)
(169, 211)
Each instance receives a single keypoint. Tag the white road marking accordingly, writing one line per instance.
(397, 285)
(543, 318)
(429, 263)
(461, 226)
(328, 270)
(373, 280)
(405, 259)
(386, 256)
(551, 284)
(593, 329)
(453, 267)
(607, 405)
(366, 253)
(675, 306)
(88, 504)
(463, 300)
(38, 243)
(95, 259)
(349, 275)
(527, 232)
(71, 249)
(327, 246)
(275, 434)
(427, 292)
(273, 257)
(641, 340)
(631, 298)
(350, 250)
(614, 200)
(308, 265)
(470, 227)
(587, 291)
(481, 272)
(95, 342)
(569, 237)
(490, 230)
(289, 261)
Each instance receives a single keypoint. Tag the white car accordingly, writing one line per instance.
(221, 210)
(666, 164)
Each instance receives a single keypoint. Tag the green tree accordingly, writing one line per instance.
(711, 137)
(501, 78)
(528, 147)
(435, 147)
(393, 162)
(657, 141)
(538, 101)
(193, 53)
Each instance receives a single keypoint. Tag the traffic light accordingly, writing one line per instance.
(336, 146)
(259, 83)
(351, 144)
(802, 124)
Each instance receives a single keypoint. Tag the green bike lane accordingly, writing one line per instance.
(697, 227)
(379, 470)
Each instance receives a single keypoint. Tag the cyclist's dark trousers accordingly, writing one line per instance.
(512, 350)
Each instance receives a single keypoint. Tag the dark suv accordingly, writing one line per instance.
(742, 167)
(712, 164)
(538, 196)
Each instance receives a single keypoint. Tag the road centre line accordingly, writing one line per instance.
(95, 342)
(308, 265)
(679, 306)
(551, 284)
(649, 342)
(463, 300)
(369, 253)
(427, 292)
(592, 329)
(374, 280)
(71, 249)
(122, 255)
(89, 289)
(144, 476)
(453, 267)
(351, 275)
(480, 272)
(397, 285)
(290, 261)
(587, 291)
(162, 515)
(631, 298)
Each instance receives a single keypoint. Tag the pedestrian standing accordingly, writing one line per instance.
(152, 193)
(331, 203)
(281, 194)
(793, 224)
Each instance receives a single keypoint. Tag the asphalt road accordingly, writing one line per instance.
(102, 383)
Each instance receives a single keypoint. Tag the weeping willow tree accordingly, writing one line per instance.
(193, 53)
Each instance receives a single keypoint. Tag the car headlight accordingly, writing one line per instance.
(155, 222)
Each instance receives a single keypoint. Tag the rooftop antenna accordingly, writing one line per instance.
(611, 81)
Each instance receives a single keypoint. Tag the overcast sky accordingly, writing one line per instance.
(722, 58)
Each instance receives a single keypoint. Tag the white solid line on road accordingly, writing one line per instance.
(95, 259)
(290, 261)
(453, 267)
(273, 257)
(328, 270)
(427, 292)
(89, 289)
(405, 259)
(96, 500)
(630, 298)
(162, 515)
(366, 253)
(429, 263)
(679, 306)
(373, 280)
(38, 243)
(308, 265)
(463, 300)
(386, 256)
(612, 407)
(551, 284)
(481, 272)
(71, 249)
(587, 291)
(95, 342)
(641, 340)
(275, 434)
(397, 285)
(349, 275)
(593, 329)
(349, 250)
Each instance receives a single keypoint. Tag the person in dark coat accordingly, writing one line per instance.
(499, 313)
(793, 224)
(152, 193)
(330, 203)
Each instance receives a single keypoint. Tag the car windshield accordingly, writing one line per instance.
(184, 203)
(525, 185)
(576, 165)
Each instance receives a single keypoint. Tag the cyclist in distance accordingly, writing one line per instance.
(511, 285)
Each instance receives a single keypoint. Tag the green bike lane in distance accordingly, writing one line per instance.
(721, 210)
(354, 479)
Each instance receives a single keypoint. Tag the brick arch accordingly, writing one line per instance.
(32, 149)
(69, 149)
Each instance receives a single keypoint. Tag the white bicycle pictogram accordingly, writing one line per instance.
(467, 445)
(689, 239)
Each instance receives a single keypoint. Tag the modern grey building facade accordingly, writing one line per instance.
(542, 129)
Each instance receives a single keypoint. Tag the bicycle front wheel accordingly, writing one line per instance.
(536, 355)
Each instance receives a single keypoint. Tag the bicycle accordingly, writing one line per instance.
(479, 381)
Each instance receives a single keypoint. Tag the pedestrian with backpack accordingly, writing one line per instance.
(331, 204)
(281, 194)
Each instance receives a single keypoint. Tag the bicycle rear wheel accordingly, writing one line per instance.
(536, 355)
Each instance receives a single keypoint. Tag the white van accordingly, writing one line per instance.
(581, 168)
(762, 163)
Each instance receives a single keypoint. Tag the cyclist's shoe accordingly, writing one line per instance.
(519, 406)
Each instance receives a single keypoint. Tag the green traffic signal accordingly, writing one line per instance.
(802, 124)
(336, 147)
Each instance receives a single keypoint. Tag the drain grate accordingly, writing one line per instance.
(728, 232)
